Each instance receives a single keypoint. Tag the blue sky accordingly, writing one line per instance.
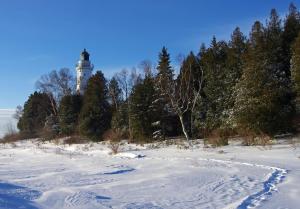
(38, 36)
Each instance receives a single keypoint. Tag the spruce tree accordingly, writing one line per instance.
(142, 115)
(165, 71)
(95, 115)
(68, 113)
(164, 75)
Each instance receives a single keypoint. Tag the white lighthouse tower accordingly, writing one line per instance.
(84, 70)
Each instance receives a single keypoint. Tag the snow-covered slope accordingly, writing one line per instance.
(6, 120)
(35, 175)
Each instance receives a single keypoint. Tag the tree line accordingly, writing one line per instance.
(247, 86)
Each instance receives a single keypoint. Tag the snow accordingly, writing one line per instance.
(47, 175)
(129, 155)
(6, 119)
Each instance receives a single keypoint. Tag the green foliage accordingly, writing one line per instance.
(215, 89)
(141, 110)
(115, 94)
(36, 109)
(247, 86)
(68, 113)
(289, 35)
(262, 95)
(120, 119)
(295, 70)
(188, 84)
(165, 71)
(165, 74)
(95, 115)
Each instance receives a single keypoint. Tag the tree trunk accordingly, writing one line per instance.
(184, 129)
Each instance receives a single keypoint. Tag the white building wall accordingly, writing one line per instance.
(84, 72)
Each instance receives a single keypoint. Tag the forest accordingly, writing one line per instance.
(247, 86)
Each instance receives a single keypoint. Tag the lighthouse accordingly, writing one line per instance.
(84, 69)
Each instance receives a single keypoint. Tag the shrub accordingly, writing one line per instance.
(113, 136)
(218, 137)
(253, 140)
(75, 140)
(11, 137)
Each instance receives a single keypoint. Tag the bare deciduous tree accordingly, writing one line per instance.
(19, 112)
(56, 85)
(147, 67)
(183, 94)
(127, 81)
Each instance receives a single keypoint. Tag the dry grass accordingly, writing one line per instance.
(11, 138)
(75, 139)
(260, 140)
(114, 147)
(218, 138)
(11, 135)
(294, 142)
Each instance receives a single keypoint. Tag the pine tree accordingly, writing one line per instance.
(68, 113)
(95, 115)
(36, 110)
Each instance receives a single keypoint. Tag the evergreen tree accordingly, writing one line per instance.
(164, 75)
(95, 115)
(237, 48)
(260, 106)
(165, 71)
(290, 33)
(233, 72)
(214, 64)
(142, 115)
(275, 63)
(191, 73)
(295, 70)
(36, 110)
(115, 94)
(68, 113)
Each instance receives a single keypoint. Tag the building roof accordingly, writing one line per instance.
(85, 55)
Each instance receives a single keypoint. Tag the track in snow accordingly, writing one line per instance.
(269, 186)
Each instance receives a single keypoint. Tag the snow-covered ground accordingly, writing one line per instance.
(45, 175)
(7, 121)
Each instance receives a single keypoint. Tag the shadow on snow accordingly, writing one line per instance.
(120, 171)
(14, 197)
